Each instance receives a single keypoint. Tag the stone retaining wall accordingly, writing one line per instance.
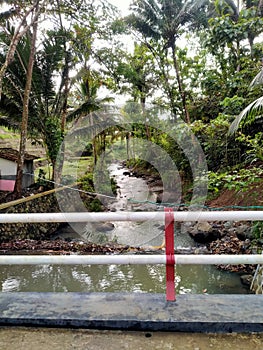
(44, 204)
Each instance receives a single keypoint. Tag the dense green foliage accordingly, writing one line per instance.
(188, 62)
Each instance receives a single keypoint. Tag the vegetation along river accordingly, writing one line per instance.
(113, 278)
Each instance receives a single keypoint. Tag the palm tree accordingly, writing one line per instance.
(13, 11)
(88, 103)
(253, 110)
(161, 21)
(51, 82)
(46, 103)
(28, 18)
(26, 98)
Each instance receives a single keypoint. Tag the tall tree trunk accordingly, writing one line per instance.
(21, 29)
(180, 85)
(167, 85)
(127, 137)
(143, 105)
(23, 136)
(57, 170)
(93, 139)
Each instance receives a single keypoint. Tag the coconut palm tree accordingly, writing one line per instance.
(11, 12)
(46, 101)
(162, 21)
(26, 98)
(89, 83)
(51, 81)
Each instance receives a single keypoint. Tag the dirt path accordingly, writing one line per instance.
(67, 339)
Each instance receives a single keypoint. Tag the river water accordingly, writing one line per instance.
(113, 278)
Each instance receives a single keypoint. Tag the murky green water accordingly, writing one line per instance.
(113, 278)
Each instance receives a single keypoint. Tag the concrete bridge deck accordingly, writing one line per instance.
(134, 312)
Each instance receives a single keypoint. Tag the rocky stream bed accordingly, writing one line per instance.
(210, 238)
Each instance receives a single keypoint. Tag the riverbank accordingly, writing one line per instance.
(60, 246)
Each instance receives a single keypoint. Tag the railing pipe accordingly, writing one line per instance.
(129, 259)
(255, 215)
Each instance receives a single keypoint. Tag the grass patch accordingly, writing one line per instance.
(8, 136)
(75, 168)
(78, 167)
(6, 133)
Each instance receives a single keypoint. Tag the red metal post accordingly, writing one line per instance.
(169, 250)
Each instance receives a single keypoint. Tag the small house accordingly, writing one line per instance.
(8, 169)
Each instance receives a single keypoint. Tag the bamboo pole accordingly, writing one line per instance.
(34, 196)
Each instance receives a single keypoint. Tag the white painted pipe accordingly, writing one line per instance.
(128, 259)
(132, 216)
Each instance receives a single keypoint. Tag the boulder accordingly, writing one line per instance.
(203, 232)
(246, 279)
(244, 232)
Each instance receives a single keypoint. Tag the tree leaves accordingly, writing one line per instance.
(248, 115)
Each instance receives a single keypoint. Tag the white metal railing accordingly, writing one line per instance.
(131, 216)
(169, 259)
(129, 259)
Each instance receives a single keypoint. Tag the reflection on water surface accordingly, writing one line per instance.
(117, 278)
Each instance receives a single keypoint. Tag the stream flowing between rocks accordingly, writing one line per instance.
(123, 278)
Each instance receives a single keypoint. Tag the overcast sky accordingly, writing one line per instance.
(123, 5)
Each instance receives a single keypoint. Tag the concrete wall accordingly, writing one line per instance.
(28, 179)
(7, 167)
(8, 170)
